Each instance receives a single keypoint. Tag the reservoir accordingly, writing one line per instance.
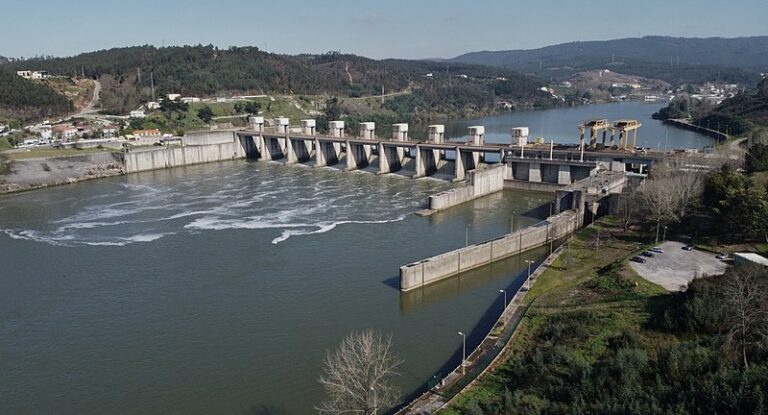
(218, 288)
(560, 125)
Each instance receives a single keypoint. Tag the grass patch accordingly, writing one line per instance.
(589, 303)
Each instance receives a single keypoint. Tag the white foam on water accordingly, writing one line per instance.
(327, 227)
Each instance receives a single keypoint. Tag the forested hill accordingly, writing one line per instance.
(676, 60)
(126, 74)
(742, 113)
(26, 100)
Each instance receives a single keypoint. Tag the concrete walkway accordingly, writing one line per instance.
(486, 356)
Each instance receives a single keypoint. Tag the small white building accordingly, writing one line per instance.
(749, 258)
(368, 130)
(33, 74)
(400, 132)
(45, 131)
(65, 132)
(153, 105)
(108, 131)
(137, 114)
(188, 100)
(173, 97)
(520, 136)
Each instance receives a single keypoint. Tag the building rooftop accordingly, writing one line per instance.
(752, 257)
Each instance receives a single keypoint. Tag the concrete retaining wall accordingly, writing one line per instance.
(427, 271)
(162, 158)
(206, 138)
(481, 183)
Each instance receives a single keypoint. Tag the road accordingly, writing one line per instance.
(91, 107)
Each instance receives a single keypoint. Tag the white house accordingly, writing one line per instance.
(33, 74)
(137, 114)
(65, 132)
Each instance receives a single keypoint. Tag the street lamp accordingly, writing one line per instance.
(665, 233)
(463, 352)
(375, 406)
(466, 236)
(528, 280)
(504, 309)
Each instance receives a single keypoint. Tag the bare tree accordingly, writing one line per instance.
(746, 311)
(627, 207)
(661, 201)
(357, 375)
(673, 187)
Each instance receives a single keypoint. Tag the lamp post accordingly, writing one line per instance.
(664, 238)
(463, 352)
(466, 236)
(528, 280)
(375, 406)
(504, 309)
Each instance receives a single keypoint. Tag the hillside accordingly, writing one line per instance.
(671, 59)
(26, 100)
(745, 112)
(127, 74)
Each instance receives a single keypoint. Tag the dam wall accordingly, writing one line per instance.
(209, 137)
(430, 270)
(162, 158)
(480, 183)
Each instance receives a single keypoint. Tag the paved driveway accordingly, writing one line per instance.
(675, 268)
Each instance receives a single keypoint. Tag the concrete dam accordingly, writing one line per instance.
(576, 175)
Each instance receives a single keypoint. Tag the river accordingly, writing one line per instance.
(218, 289)
(560, 125)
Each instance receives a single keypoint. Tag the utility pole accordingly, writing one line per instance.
(597, 245)
(152, 84)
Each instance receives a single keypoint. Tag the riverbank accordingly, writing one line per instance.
(29, 172)
(686, 125)
(487, 355)
(45, 167)
(580, 282)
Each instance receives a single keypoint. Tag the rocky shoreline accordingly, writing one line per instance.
(39, 173)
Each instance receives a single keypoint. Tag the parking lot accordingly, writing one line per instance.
(676, 267)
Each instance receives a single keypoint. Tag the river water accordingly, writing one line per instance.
(560, 125)
(218, 289)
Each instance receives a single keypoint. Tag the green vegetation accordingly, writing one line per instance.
(208, 70)
(599, 339)
(205, 114)
(27, 100)
(743, 114)
(738, 205)
(756, 159)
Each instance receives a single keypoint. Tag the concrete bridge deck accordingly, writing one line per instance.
(531, 163)
(532, 151)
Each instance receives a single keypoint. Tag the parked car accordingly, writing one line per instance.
(647, 254)
(657, 250)
(688, 248)
(638, 259)
(722, 256)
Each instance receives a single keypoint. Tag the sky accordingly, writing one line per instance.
(378, 29)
